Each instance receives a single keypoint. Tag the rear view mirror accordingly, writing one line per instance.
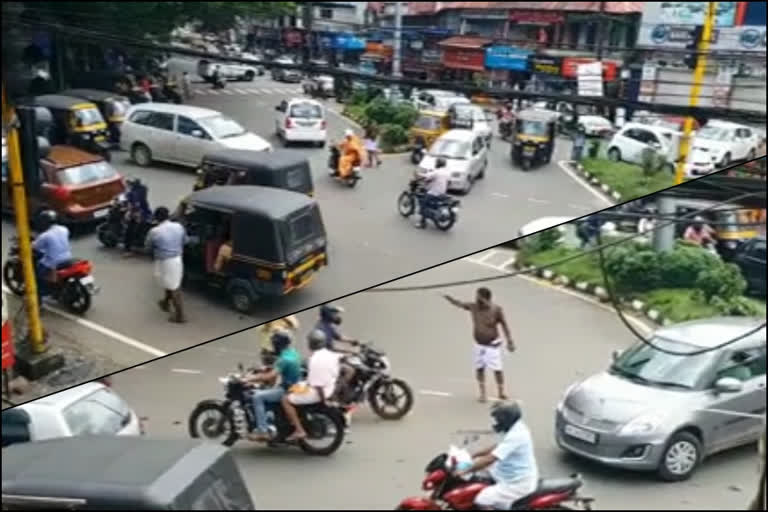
(728, 385)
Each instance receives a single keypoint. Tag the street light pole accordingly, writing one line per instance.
(398, 40)
(698, 77)
(664, 236)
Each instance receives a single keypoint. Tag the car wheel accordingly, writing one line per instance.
(614, 154)
(680, 458)
(751, 155)
(726, 161)
(249, 76)
(141, 154)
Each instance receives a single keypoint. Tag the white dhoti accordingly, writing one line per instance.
(169, 272)
(488, 356)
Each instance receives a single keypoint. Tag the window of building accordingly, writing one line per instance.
(326, 14)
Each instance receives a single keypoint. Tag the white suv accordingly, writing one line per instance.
(628, 143)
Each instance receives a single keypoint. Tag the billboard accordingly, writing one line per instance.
(670, 24)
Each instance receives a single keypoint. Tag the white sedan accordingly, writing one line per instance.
(597, 126)
(88, 409)
(465, 154)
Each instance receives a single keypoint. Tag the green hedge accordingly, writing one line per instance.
(631, 181)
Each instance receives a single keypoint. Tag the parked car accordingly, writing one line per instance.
(751, 260)
(628, 143)
(466, 157)
(301, 120)
(90, 409)
(182, 134)
(319, 85)
(286, 75)
(676, 123)
(655, 411)
(472, 117)
(724, 142)
(595, 126)
(228, 71)
(78, 186)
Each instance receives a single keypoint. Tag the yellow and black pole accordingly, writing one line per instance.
(698, 78)
(16, 174)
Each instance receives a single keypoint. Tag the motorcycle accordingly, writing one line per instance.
(505, 129)
(444, 214)
(218, 83)
(233, 418)
(450, 492)
(74, 285)
(389, 398)
(417, 153)
(333, 167)
(112, 231)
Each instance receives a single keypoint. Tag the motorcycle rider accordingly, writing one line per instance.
(322, 374)
(436, 182)
(53, 247)
(352, 154)
(138, 212)
(506, 120)
(330, 319)
(285, 373)
(512, 462)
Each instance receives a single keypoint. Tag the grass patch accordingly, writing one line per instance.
(579, 269)
(627, 179)
(678, 304)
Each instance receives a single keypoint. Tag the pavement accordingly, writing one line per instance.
(560, 338)
(369, 242)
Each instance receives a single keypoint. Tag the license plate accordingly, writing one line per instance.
(100, 138)
(306, 123)
(101, 213)
(581, 434)
(86, 281)
(528, 151)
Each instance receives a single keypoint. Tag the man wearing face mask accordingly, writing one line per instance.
(330, 319)
(487, 317)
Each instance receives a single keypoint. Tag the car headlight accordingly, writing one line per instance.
(568, 391)
(644, 424)
(731, 244)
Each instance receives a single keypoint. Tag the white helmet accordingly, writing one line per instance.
(349, 132)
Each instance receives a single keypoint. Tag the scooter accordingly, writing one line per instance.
(333, 166)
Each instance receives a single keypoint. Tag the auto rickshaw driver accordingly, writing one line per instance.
(352, 153)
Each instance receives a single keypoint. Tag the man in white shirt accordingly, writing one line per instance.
(322, 375)
(436, 182)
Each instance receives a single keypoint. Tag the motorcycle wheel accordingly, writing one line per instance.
(406, 204)
(351, 182)
(444, 222)
(13, 276)
(384, 393)
(415, 157)
(75, 297)
(316, 423)
(211, 429)
(107, 236)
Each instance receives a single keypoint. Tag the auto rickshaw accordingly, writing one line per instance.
(277, 241)
(113, 108)
(534, 138)
(122, 473)
(425, 130)
(76, 122)
(288, 170)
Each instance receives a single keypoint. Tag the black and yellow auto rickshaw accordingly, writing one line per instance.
(280, 169)
(122, 473)
(533, 138)
(276, 240)
(76, 122)
(425, 130)
(113, 108)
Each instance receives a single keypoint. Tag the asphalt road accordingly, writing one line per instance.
(560, 339)
(369, 241)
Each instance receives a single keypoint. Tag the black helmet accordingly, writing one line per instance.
(505, 415)
(317, 340)
(46, 219)
(281, 339)
(331, 313)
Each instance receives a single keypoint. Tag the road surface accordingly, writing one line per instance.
(560, 339)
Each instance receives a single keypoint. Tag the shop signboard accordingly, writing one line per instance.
(570, 67)
(545, 65)
(590, 79)
(431, 56)
(506, 58)
(462, 58)
(671, 24)
(747, 38)
(348, 42)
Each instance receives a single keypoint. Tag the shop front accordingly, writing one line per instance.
(463, 59)
(546, 71)
(507, 65)
(348, 48)
(377, 58)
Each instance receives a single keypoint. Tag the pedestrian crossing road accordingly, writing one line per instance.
(243, 90)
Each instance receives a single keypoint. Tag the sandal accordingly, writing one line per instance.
(295, 437)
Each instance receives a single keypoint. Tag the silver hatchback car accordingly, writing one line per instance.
(655, 411)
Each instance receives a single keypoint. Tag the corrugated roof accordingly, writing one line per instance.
(465, 42)
(416, 8)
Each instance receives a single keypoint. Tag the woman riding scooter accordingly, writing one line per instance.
(352, 154)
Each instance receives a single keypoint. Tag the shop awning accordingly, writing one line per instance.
(465, 42)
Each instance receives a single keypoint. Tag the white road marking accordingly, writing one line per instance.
(211, 91)
(264, 91)
(241, 91)
(227, 91)
(564, 166)
(499, 194)
(430, 392)
(509, 262)
(122, 338)
(539, 201)
(580, 207)
(184, 370)
(488, 255)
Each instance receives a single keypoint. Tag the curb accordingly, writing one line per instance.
(593, 290)
(594, 182)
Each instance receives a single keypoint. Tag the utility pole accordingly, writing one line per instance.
(21, 211)
(600, 32)
(698, 77)
(309, 15)
(664, 236)
(398, 40)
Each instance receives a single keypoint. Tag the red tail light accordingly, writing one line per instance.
(61, 193)
(288, 123)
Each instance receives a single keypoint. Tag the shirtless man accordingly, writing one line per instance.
(486, 319)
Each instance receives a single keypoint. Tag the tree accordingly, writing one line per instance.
(217, 16)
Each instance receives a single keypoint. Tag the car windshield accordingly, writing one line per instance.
(449, 148)
(306, 111)
(100, 413)
(428, 123)
(221, 127)
(527, 127)
(88, 173)
(88, 116)
(645, 364)
(712, 133)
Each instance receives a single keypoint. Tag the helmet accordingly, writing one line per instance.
(281, 339)
(133, 181)
(331, 313)
(505, 416)
(349, 132)
(46, 219)
(317, 339)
